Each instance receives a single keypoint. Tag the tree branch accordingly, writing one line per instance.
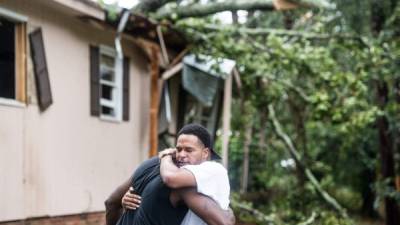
(259, 215)
(314, 3)
(296, 156)
(283, 32)
(295, 89)
(145, 6)
(310, 220)
(200, 10)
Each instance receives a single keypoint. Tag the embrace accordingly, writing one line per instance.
(182, 186)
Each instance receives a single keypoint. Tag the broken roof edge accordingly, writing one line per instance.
(83, 7)
(218, 67)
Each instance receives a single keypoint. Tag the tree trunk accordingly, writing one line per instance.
(378, 19)
(288, 20)
(263, 129)
(200, 10)
(368, 195)
(146, 6)
(235, 17)
(386, 152)
(246, 151)
(397, 134)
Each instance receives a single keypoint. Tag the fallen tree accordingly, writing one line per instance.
(297, 158)
(200, 10)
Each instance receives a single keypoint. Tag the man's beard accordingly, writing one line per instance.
(180, 164)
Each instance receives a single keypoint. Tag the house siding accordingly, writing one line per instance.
(81, 219)
(63, 161)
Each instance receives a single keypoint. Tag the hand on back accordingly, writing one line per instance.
(168, 151)
(130, 200)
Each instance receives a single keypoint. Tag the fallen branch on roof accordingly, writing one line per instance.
(200, 10)
(280, 32)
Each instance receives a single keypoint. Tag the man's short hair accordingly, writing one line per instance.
(202, 134)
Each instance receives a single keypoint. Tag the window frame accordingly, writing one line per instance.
(116, 85)
(20, 62)
(204, 115)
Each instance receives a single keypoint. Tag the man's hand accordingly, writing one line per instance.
(171, 175)
(168, 151)
(131, 200)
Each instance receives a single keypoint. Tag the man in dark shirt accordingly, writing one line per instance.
(156, 207)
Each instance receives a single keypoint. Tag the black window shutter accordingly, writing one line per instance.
(125, 91)
(94, 80)
(40, 67)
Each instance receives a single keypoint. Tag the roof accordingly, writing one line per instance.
(92, 3)
(139, 25)
(79, 8)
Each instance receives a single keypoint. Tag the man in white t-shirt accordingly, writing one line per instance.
(189, 165)
(211, 180)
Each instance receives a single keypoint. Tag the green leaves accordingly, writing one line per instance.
(321, 77)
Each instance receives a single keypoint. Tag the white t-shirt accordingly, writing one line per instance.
(212, 180)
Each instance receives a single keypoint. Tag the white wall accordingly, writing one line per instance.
(63, 161)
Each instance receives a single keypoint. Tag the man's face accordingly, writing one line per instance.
(190, 150)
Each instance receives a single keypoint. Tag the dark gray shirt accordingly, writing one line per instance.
(155, 208)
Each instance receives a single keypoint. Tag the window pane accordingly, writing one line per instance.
(107, 111)
(7, 59)
(206, 113)
(196, 112)
(106, 92)
(107, 74)
(107, 60)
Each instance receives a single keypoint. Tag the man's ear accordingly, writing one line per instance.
(206, 154)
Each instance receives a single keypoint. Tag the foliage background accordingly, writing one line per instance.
(321, 78)
(332, 75)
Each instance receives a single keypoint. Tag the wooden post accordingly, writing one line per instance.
(152, 52)
(162, 45)
(20, 62)
(154, 73)
(226, 120)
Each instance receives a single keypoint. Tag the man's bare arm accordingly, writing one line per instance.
(204, 207)
(173, 176)
(113, 203)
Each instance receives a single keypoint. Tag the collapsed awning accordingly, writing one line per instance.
(203, 76)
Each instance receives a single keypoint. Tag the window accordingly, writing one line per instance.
(196, 112)
(191, 110)
(12, 56)
(7, 60)
(109, 84)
